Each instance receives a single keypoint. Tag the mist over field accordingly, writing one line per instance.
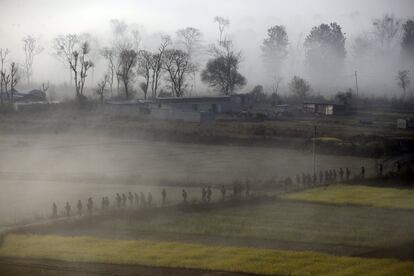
(206, 137)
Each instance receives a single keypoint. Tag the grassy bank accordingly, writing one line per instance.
(341, 135)
(173, 254)
(396, 198)
(281, 221)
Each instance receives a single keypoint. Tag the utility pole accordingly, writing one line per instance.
(313, 150)
(356, 83)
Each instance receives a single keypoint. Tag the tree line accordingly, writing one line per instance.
(171, 69)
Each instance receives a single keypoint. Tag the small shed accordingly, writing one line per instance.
(405, 123)
(323, 107)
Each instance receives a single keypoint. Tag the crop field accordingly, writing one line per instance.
(173, 254)
(398, 198)
(302, 225)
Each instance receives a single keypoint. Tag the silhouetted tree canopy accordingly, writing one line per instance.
(257, 94)
(299, 87)
(222, 74)
(325, 47)
(344, 97)
(178, 66)
(407, 42)
(386, 30)
(403, 80)
(274, 47)
(127, 60)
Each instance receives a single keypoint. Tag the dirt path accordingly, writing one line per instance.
(16, 266)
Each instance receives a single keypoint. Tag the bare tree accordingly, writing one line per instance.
(386, 29)
(178, 66)
(144, 69)
(3, 56)
(119, 28)
(403, 79)
(299, 87)
(14, 79)
(127, 60)
(45, 87)
(276, 84)
(31, 49)
(136, 39)
(156, 65)
(64, 46)
(74, 53)
(190, 39)
(100, 89)
(109, 56)
(222, 23)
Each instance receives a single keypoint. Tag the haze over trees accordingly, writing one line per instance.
(127, 61)
(299, 87)
(146, 65)
(386, 30)
(31, 49)
(274, 49)
(403, 79)
(325, 50)
(9, 77)
(407, 42)
(221, 72)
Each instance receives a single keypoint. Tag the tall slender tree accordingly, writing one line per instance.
(274, 49)
(74, 52)
(31, 49)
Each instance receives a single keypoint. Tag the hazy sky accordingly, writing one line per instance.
(249, 18)
(55, 16)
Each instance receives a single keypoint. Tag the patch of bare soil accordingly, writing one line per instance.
(35, 267)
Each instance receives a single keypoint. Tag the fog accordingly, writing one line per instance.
(249, 21)
(38, 169)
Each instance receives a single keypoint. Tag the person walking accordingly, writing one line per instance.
(124, 200)
(67, 209)
(341, 174)
(223, 192)
(54, 210)
(184, 194)
(209, 192)
(130, 199)
(89, 206)
(348, 174)
(136, 197)
(149, 197)
(118, 200)
(247, 189)
(164, 196)
(142, 199)
(203, 195)
(80, 207)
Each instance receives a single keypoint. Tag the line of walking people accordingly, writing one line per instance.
(121, 201)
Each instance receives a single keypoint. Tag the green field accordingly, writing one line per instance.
(276, 221)
(173, 254)
(359, 195)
